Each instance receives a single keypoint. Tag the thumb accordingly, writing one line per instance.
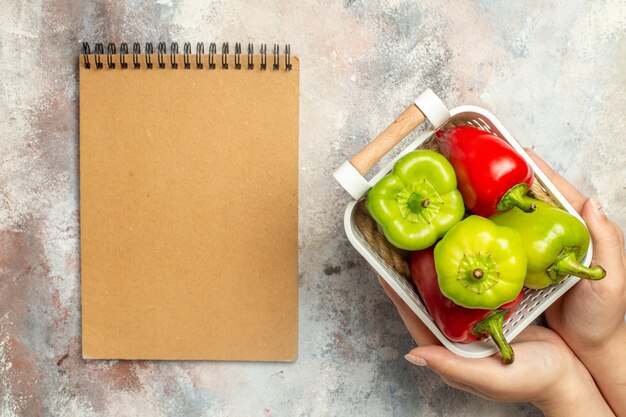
(606, 237)
(465, 371)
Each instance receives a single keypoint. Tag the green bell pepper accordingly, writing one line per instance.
(418, 202)
(555, 242)
(480, 264)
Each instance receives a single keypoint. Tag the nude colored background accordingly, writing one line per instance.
(552, 72)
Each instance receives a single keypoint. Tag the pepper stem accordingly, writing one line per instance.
(419, 202)
(567, 264)
(516, 197)
(478, 272)
(492, 326)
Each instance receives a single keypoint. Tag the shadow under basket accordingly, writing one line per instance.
(392, 264)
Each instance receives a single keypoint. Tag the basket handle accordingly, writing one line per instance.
(426, 106)
(390, 137)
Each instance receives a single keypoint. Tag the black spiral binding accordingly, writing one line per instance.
(123, 53)
(288, 66)
(276, 58)
(110, 53)
(237, 55)
(149, 52)
(136, 53)
(186, 52)
(250, 56)
(263, 56)
(98, 50)
(161, 50)
(199, 53)
(86, 53)
(212, 51)
(173, 52)
(225, 55)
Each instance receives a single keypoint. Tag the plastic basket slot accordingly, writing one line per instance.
(515, 318)
(535, 294)
(513, 323)
(510, 323)
(546, 293)
(477, 123)
(474, 123)
(486, 126)
(532, 307)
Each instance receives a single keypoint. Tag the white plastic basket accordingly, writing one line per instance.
(350, 175)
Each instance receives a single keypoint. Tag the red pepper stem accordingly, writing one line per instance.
(567, 264)
(492, 326)
(516, 197)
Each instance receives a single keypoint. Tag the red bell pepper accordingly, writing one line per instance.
(491, 176)
(457, 323)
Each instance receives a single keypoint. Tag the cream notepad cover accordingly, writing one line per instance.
(189, 208)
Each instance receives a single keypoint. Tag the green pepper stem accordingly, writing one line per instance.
(567, 264)
(478, 273)
(492, 326)
(516, 197)
(419, 202)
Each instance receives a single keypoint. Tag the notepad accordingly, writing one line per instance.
(189, 203)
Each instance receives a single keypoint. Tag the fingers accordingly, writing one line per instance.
(543, 360)
(607, 238)
(466, 388)
(462, 372)
(554, 313)
(532, 332)
(575, 197)
(414, 325)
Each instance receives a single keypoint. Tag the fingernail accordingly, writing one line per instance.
(415, 360)
(597, 206)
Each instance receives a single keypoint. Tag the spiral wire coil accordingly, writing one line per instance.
(200, 57)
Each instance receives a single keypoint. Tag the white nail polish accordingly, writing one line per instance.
(415, 360)
(597, 206)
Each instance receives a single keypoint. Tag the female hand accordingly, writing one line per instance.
(590, 316)
(545, 371)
